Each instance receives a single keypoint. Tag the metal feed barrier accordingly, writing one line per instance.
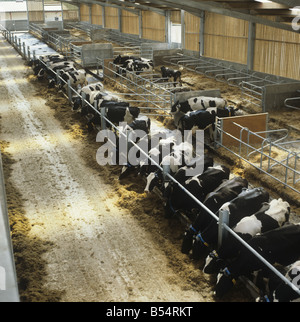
(222, 221)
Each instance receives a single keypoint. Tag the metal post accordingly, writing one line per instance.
(103, 121)
(222, 232)
(201, 35)
(251, 44)
(69, 91)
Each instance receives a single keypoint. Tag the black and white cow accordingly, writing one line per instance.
(279, 246)
(199, 186)
(270, 216)
(226, 191)
(198, 103)
(156, 142)
(168, 73)
(52, 67)
(202, 119)
(245, 204)
(91, 91)
(44, 60)
(121, 60)
(115, 112)
(279, 291)
(76, 77)
(181, 156)
(138, 67)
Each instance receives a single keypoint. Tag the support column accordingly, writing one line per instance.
(120, 19)
(201, 35)
(182, 30)
(103, 17)
(140, 25)
(168, 27)
(251, 45)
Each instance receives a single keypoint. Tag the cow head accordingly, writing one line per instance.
(225, 281)
(41, 74)
(175, 108)
(154, 179)
(76, 103)
(213, 263)
(187, 242)
(118, 60)
(51, 83)
(200, 247)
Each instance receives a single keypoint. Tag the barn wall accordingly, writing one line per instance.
(277, 52)
(111, 18)
(84, 13)
(153, 26)
(175, 16)
(226, 38)
(192, 32)
(96, 15)
(130, 23)
(70, 12)
(35, 11)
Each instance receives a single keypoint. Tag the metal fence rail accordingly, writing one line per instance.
(289, 165)
(223, 225)
(293, 102)
(147, 91)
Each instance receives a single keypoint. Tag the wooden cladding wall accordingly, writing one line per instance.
(111, 18)
(277, 52)
(96, 15)
(192, 32)
(84, 13)
(226, 38)
(130, 23)
(35, 11)
(153, 26)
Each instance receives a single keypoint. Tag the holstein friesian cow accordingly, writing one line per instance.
(43, 60)
(198, 103)
(181, 177)
(168, 73)
(155, 141)
(181, 155)
(138, 67)
(225, 192)
(279, 291)
(115, 112)
(245, 204)
(202, 119)
(91, 91)
(76, 77)
(270, 216)
(199, 186)
(279, 246)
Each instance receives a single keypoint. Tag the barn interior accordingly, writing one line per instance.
(70, 229)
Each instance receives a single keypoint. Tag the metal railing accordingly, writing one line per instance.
(152, 96)
(222, 222)
(289, 102)
(252, 84)
(287, 170)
